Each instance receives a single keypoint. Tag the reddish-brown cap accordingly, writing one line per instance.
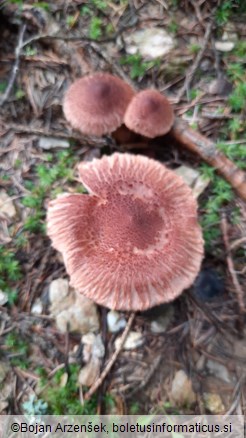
(132, 243)
(95, 104)
(150, 114)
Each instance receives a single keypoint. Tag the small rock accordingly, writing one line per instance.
(58, 290)
(181, 390)
(220, 86)
(115, 321)
(206, 65)
(52, 143)
(93, 346)
(3, 298)
(73, 312)
(213, 403)
(218, 370)
(160, 324)
(194, 179)
(7, 207)
(134, 340)
(37, 307)
(151, 43)
(63, 380)
(224, 46)
(81, 317)
(90, 372)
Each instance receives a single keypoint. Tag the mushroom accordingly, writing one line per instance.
(95, 104)
(150, 114)
(134, 242)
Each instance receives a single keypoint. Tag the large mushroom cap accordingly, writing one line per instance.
(132, 243)
(150, 114)
(95, 104)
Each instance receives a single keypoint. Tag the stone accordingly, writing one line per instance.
(160, 324)
(194, 179)
(80, 317)
(220, 86)
(90, 372)
(213, 403)
(37, 307)
(3, 298)
(7, 207)
(151, 43)
(224, 46)
(63, 380)
(93, 346)
(58, 291)
(52, 143)
(218, 370)
(72, 311)
(134, 340)
(181, 390)
(115, 321)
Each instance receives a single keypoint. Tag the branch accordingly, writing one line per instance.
(206, 149)
(111, 362)
(191, 72)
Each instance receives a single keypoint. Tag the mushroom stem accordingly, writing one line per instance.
(206, 149)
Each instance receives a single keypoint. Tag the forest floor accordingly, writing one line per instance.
(194, 362)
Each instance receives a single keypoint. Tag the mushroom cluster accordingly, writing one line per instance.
(134, 241)
(98, 104)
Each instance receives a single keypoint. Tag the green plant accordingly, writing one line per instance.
(29, 51)
(43, 5)
(69, 20)
(226, 8)
(237, 98)
(194, 48)
(85, 10)
(95, 28)
(220, 194)
(17, 348)
(138, 67)
(46, 175)
(172, 26)
(64, 399)
(10, 272)
(99, 4)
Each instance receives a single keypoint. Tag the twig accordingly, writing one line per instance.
(206, 149)
(15, 66)
(30, 130)
(238, 288)
(112, 360)
(195, 65)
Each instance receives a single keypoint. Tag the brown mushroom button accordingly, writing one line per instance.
(134, 242)
(95, 104)
(150, 114)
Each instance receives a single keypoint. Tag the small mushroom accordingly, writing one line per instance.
(95, 104)
(150, 114)
(134, 242)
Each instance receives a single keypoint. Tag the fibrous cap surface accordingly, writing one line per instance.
(150, 114)
(95, 104)
(132, 243)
